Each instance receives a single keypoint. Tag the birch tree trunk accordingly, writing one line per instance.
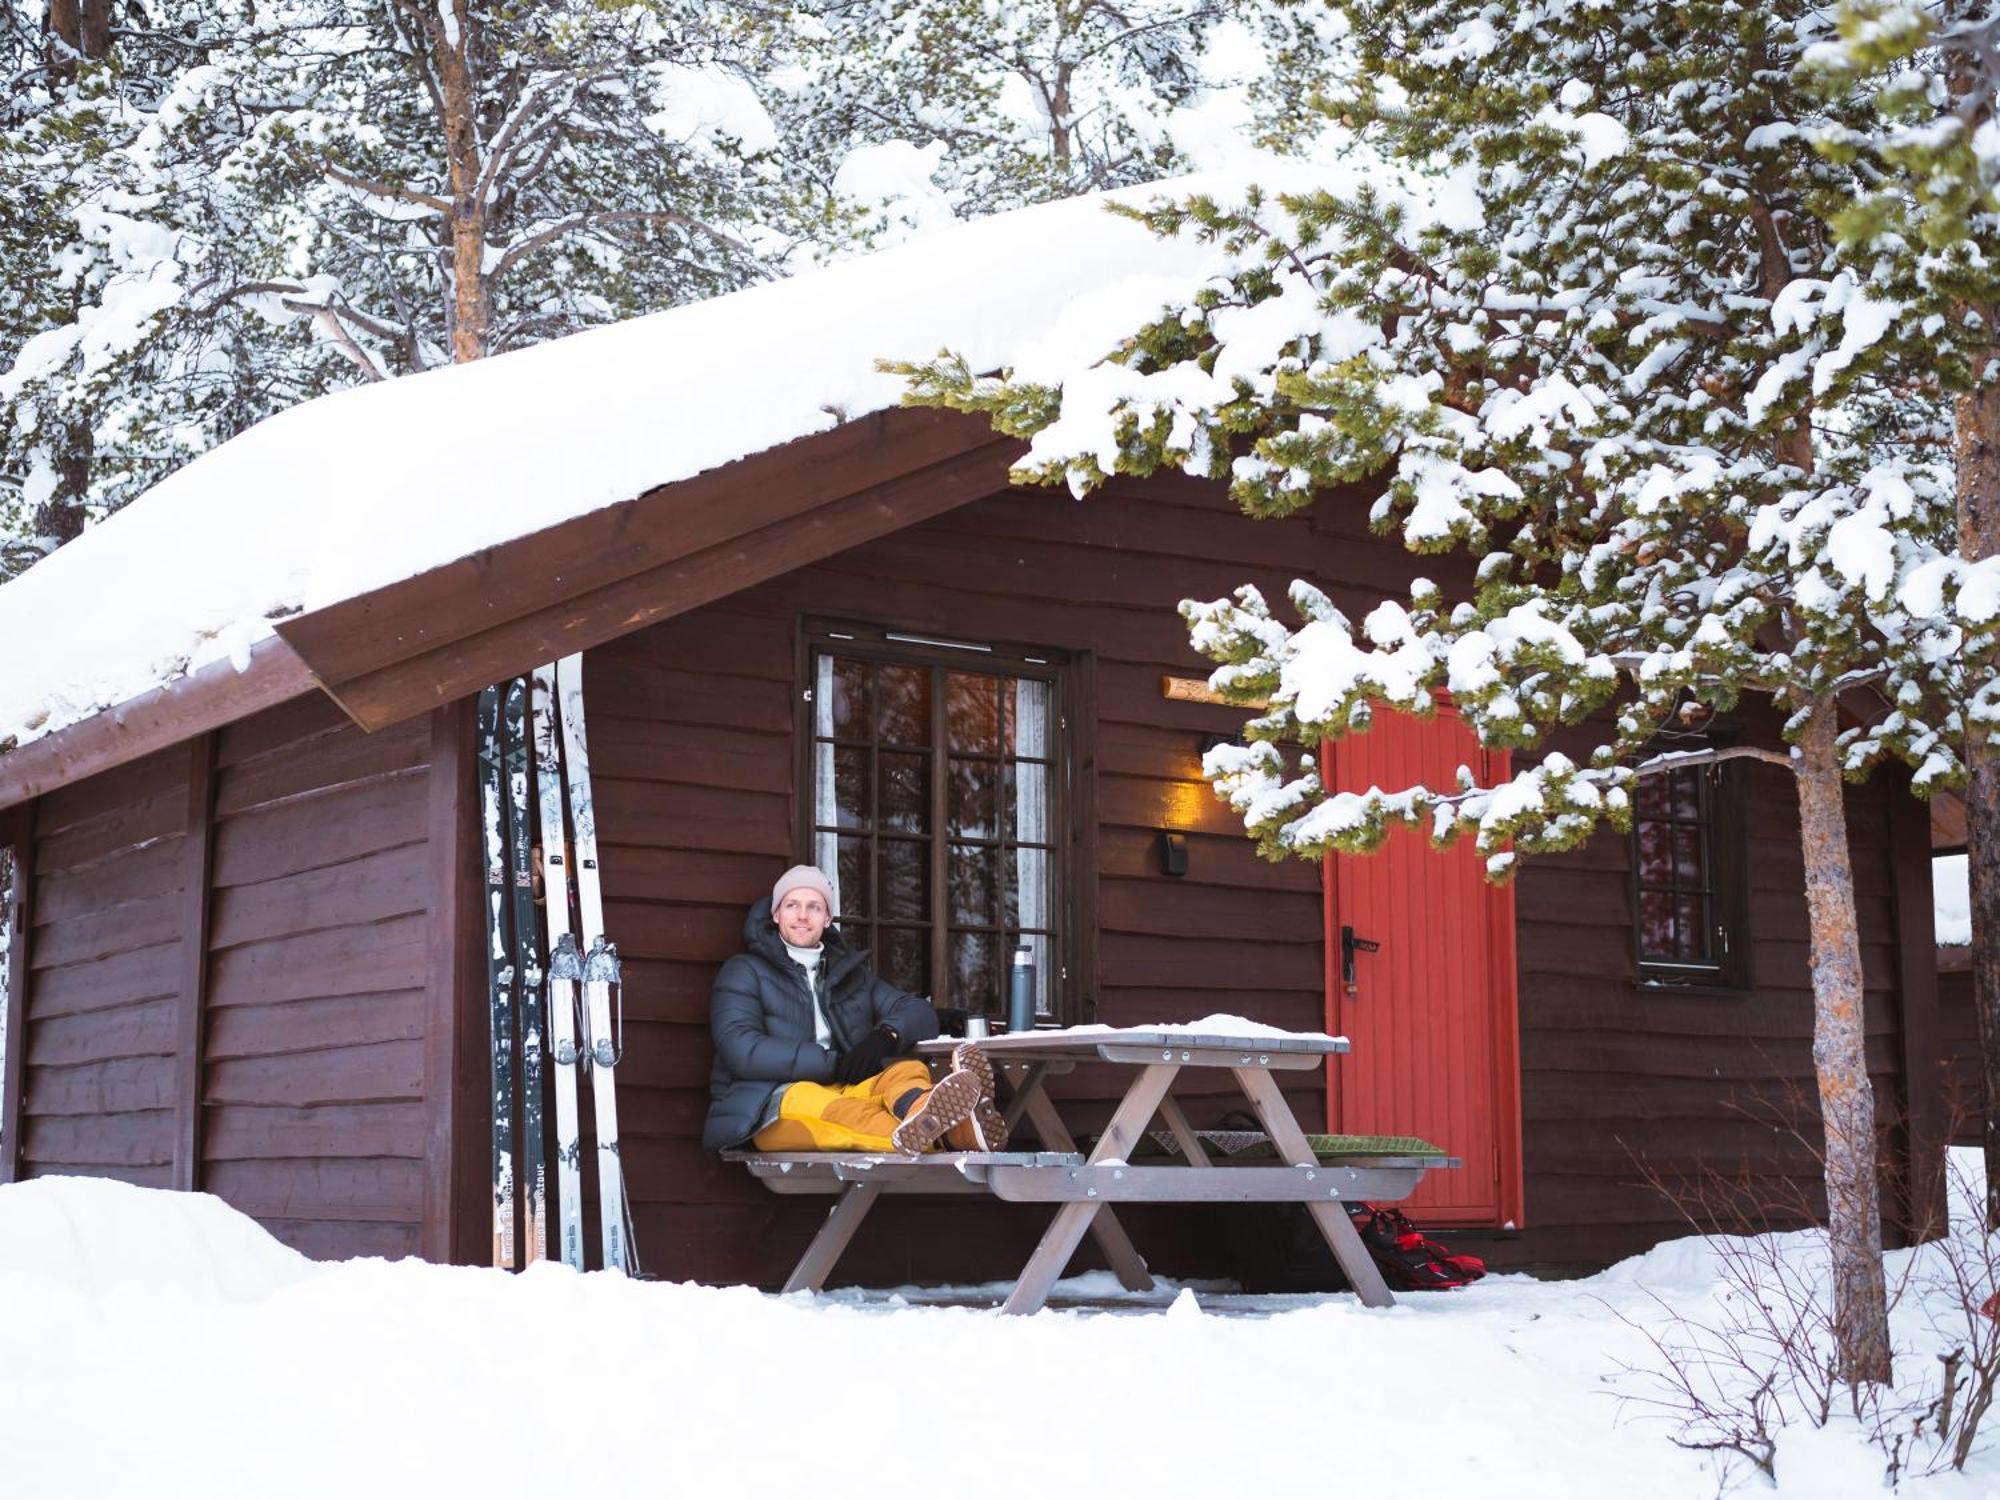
(1846, 1098)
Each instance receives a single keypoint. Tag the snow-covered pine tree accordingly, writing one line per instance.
(243, 205)
(1618, 384)
(1923, 238)
(993, 104)
(1030, 99)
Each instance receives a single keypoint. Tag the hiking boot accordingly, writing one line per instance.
(950, 1102)
(970, 1057)
(986, 1129)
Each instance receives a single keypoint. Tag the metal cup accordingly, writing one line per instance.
(976, 1029)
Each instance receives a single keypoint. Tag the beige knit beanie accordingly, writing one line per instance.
(801, 877)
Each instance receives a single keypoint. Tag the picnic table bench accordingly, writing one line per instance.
(1086, 1185)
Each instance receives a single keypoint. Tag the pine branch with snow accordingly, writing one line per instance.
(1589, 321)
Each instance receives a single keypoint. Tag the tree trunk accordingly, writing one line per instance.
(1976, 453)
(82, 26)
(1977, 443)
(60, 518)
(1846, 1098)
(76, 29)
(470, 306)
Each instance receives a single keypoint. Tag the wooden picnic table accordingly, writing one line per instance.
(1085, 1187)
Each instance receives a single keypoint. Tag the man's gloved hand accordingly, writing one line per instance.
(951, 1020)
(866, 1057)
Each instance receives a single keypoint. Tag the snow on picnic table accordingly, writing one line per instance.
(161, 1344)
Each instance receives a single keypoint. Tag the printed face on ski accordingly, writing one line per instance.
(802, 917)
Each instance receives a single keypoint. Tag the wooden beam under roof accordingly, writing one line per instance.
(218, 694)
(429, 640)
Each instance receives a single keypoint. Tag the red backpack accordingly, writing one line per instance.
(1408, 1261)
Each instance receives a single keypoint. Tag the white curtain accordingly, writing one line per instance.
(826, 803)
(1031, 822)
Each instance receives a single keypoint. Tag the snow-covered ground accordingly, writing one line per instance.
(162, 1345)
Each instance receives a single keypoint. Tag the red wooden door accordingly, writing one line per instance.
(1431, 1012)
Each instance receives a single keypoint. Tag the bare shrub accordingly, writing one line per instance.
(1761, 1356)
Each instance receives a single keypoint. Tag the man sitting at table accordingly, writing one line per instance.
(812, 1047)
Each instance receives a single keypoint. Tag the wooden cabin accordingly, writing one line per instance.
(250, 958)
(249, 951)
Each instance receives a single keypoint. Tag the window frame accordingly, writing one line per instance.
(1070, 915)
(1726, 886)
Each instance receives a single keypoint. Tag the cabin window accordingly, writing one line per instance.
(1687, 877)
(936, 789)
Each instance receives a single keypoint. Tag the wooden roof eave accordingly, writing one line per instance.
(204, 700)
(434, 638)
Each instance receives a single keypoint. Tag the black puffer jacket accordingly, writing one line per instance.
(760, 1014)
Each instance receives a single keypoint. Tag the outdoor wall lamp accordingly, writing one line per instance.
(1173, 852)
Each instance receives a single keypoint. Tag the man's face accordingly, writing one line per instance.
(802, 917)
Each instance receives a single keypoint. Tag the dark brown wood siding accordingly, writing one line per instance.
(313, 1078)
(104, 972)
(692, 724)
(1626, 1088)
(260, 1036)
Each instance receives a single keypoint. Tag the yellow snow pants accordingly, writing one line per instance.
(844, 1117)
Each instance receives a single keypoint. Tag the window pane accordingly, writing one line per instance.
(1027, 902)
(972, 872)
(970, 796)
(1690, 932)
(850, 802)
(1687, 856)
(1656, 853)
(852, 887)
(1656, 924)
(848, 687)
(906, 879)
(1654, 797)
(903, 957)
(904, 705)
(975, 972)
(906, 793)
(972, 712)
(1687, 793)
(1027, 803)
(1028, 718)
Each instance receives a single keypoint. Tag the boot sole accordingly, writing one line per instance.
(989, 1125)
(950, 1103)
(969, 1057)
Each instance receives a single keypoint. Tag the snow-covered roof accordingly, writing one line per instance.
(363, 488)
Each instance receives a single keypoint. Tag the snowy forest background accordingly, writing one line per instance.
(210, 212)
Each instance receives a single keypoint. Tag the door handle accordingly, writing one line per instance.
(1349, 946)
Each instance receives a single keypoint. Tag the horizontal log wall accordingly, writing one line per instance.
(314, 1070)
(105, 967)
(692, 733)
(692, 724)
(1630, 1089)
(226, 977)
